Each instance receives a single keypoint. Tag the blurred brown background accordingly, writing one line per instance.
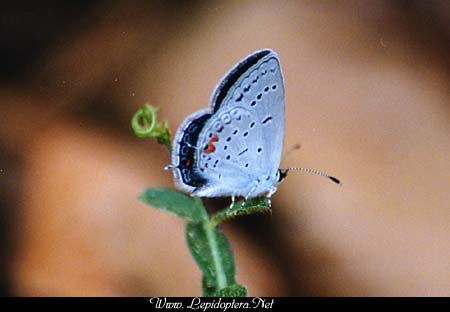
(367, 97)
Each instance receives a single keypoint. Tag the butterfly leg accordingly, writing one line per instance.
(249, 193)
(269, 196)
(233, 199)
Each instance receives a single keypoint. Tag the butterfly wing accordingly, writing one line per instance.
(184, 161)
(242, 140)
(230, 80)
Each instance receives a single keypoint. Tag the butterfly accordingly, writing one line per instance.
(233, 148)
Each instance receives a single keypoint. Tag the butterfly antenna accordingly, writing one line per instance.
(314, 171)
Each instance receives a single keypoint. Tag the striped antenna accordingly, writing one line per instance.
(314, 171)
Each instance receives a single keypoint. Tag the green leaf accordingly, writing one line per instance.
(174, 202)
(212, 252)
(208, 290)
(250, 206)
(235, 290)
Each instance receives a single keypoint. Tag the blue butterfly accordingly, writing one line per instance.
(234, 147)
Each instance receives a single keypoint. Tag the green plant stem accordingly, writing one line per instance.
(143, 121)
(220, 272)
(145, 125)
(208, 226)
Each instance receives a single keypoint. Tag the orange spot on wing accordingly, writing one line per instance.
(210, 148)
(214, 139)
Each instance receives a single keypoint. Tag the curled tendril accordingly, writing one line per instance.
(145, 125)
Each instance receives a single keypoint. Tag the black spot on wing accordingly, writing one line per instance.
(243, 152)
(269, 118)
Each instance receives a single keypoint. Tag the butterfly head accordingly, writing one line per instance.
(281, 175)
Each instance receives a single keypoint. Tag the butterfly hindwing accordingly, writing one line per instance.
(227, 160)
(184, 151)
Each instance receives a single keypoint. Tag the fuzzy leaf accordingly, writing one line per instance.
(174, 202)
(235, 290)
(208, 290)
(212, 252)
(250, 206)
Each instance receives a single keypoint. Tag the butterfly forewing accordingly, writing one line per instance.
(243, 139)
